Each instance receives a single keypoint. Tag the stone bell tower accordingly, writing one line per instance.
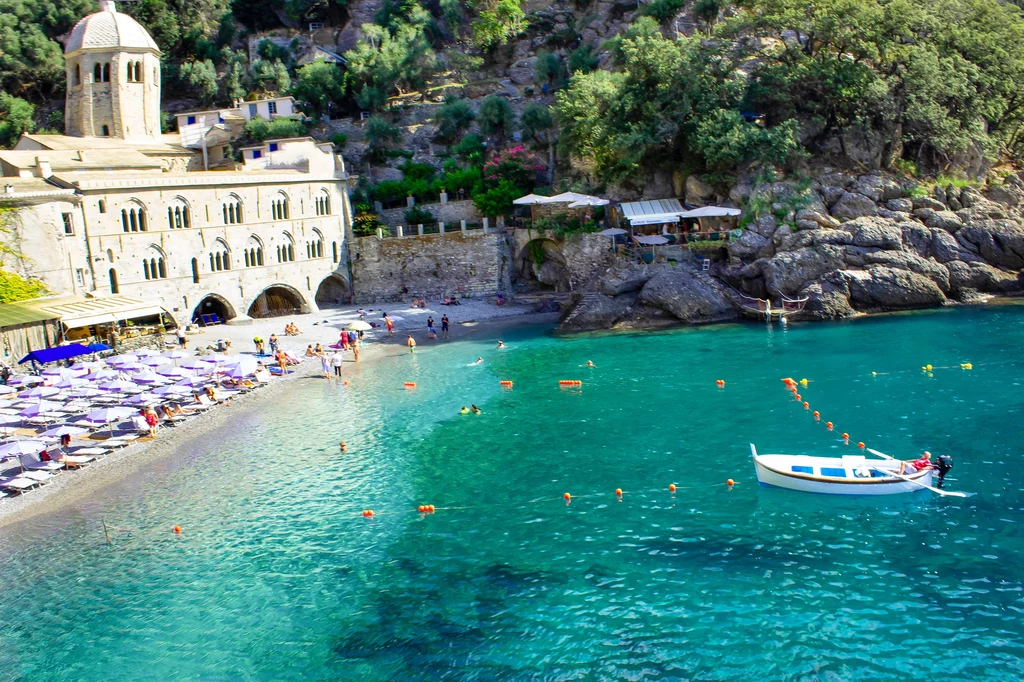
(113, 78)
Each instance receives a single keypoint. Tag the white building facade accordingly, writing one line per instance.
(116, 208)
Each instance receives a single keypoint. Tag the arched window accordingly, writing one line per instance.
(323, 203)
(145, 268)
(334, 252)
(220, 259)
(106, 72)
(162, 268)
(77, 79)
(253, 252)
(315, 248)
(245, 258)
(102, 206)
(97, 73)
(142, 220)
(124, 219)
(131, 71)
(232, 211)
(114, 288)
(133, 220)
(178, 214)
(138, 72)
(195, 271)
(217, 260)
(291, 252)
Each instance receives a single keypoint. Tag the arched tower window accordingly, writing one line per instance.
(253, 252)
(315, 247)
(322, 205)
(77, 77)
(154, 265)
(106, 72)
(138, 72)
(220, 258)
(232, 211)
(195, 271)
(131, 71)
(178, 214)
(97, 73)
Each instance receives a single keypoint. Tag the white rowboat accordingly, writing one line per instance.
(846, 475)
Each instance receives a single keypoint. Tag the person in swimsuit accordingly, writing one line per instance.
(464, 410)
(501, 344)
(444, 326)
(475, 409)
(411, 343)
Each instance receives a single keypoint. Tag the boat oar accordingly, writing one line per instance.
(944, 493)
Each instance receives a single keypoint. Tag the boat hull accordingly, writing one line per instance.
(768, 476)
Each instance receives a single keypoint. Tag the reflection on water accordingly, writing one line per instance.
(277, 576)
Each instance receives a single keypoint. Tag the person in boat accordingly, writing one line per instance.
(924, 461)
(943, 463)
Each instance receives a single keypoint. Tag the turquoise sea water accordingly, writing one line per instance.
(277, 576)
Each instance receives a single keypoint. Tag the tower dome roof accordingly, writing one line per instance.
(108, 29)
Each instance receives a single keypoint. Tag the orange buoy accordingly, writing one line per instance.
(861, 445)
(421, 508)
(368, 513)
(720, 382)
(410, 384)
(807, 405)
(730, 482)
(177, 529)
(817, 414)
(430, 508)
(672, 487)
(507, 384)
(798, 396)
(570, 382)
(567, 497)
(829, 425)
(846, 436)
(618, 491)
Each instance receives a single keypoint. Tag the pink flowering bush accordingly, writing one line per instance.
(516, 165)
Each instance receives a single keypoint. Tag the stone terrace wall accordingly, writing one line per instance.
(450, 214)
(469, 265)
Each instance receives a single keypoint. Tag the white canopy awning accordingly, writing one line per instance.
(82, 312)
(530, 199)
(669, 211)
(710, 212)
(654, 219)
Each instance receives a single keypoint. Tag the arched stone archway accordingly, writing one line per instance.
(277, 300)
(542, 264)
(214, 304)
(333, 290)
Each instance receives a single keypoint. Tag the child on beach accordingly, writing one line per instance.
(411, 343)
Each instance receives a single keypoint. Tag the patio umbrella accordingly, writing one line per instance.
(73, 382)
(88, 365)
(228, 360)
(107, 415)
(8, 419)
(172, 390)
(245, 367)
(196, 364)
(25, 380)
(588, 201)
(55, 371)
(146, 352)
(64, 430)
(175, 372)
(40, 407)
(141, 399)
(192, 382)
(529, 200)
(103, 375)
(84, 393)
(611, 232)
(40, 392)
(148, 377)
(177, 354)
(156, 361)
(22, 447)
(131, 367)
(122, 359)
(4, 390)
(359, 326)
(119, 385)
(652, 240)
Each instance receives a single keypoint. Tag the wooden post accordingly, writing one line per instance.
(106, 534)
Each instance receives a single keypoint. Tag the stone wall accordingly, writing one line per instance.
(475, 264)
(569, 263)
(450, 214)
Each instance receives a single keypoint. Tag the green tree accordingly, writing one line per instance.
(15, 119)
(498, 200)
(382, 136)
(497, 22)
(319, 84)
(452, 119)
(269, 77)
(496, 116)
(707, 11)
(548, 68)
(582, 59)
(201, 79)
(14, 287)
(538, 125)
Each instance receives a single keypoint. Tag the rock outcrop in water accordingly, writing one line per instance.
(850, 244)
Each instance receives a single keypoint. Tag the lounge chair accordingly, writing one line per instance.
(31, 462)
(41, 476)
(19, 484)
(79, 458)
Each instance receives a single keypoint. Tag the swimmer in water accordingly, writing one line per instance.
(464, 410)
(478, 361)
(476, 410)
(501, 344)
(590, 363)
(344, 448)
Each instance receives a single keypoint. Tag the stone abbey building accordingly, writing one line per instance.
(116, 207)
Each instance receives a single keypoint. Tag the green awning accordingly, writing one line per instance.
(14, 314)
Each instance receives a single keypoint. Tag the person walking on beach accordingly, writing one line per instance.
(411, 343)
(355, 350)
(336, 362)
(274, 343)
(444, 326)
(325, 364)
(282, 362)
(182, 339)
(430, 321)
(391, 326)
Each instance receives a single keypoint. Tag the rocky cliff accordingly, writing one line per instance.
(850, 243)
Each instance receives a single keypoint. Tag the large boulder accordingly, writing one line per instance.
(900, 260)
(828, 299)
(853, 205)
(928, 202)
(945, 220)
(880, 232)
(748, 246)
(970, 196)
(1008, 195)
(917, 239)
(697, 192)
(689, 295)
(764, 224)
(1000, 242)
(900, 205)
(981, 277)
(813, 218)
(623, 281)
(945, 248)
(786, 273)
(799, 240)
(878, 187)
(882, 288)
(595, 311)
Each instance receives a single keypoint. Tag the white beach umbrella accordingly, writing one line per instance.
(245, 367)
(146, 352)
(104, 375)
(193, 381)
(107, 415)
(22, 447)
(588, 201)
(41, 407)
(9, 419)
(174, 372)
(177, 354)
(25, 380)
(652, 240)
(39, 392)
(64, 430)
(87, 365)
(122, 359)
(132, 367)
(196, 364)
(172, 390)
(611, 232)
(148, 377)
(119, 385)
(73, 382)
(359, 326)
(84, 392)
(141, 399)
(4, 389)
(156, 361)
(529, 200)
(62, 372)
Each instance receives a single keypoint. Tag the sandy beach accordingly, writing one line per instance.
(468, 320)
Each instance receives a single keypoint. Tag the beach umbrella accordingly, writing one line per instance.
(103, 375)
(25, 380)
(359, 326)
(588, 201)
(64, 430)
(529, 200)
(177, 354)
(197, 364)
(122, 359)
(119, 385)
(73, 382)
(22, 447)
(97, 347)
(611, 232)
(148, 377)
(107, 415)
(146, 352)
(193, 381)
(40, 407)
(131, 367)
(4, 390)
(175, 372)
(244, 368)
(88, 365)
(172, 390)
(9, 419)
(156, 361)
(39, 392)
(60, 372)
(84, 392)
(141, 399)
